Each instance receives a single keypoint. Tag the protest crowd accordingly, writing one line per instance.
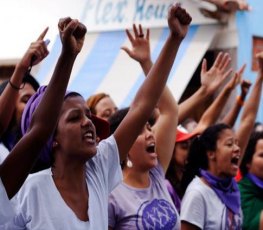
(83, 163)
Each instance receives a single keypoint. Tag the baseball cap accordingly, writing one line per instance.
(183, 135)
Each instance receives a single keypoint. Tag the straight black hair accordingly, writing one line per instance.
(197, 157)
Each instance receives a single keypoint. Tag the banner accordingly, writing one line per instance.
(22, 21)
(105, 15)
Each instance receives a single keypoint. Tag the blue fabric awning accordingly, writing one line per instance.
(103, 67)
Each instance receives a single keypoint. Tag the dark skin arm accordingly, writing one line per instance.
(232, 115)
(9, 95)
(250, 109)
(212, 113)
(211, 80)
(152, 88)
(165, 127)
(24, 154)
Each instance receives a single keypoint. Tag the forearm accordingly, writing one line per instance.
(146, 66)
(212, 113)
(249, 113)
(19, 73)
(146, 98)
(9, 97)
(56, 89)
(252, 104)
(165, 128)
(232, 115)
(167, 103)
(149, 93)
(188, 107)
(166, 124)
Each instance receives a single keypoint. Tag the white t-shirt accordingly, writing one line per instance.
(3, 153)
(6, 210)
(203, 208)
(41, 207)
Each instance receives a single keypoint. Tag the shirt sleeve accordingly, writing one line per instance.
(6, 210)
(193, 208)
(112, 211)
(158, 171)
(109, 161)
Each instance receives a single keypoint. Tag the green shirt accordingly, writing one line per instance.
(251, 202)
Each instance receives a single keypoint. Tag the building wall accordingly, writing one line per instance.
(249, 25)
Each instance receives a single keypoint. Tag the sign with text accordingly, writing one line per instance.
(103, 15)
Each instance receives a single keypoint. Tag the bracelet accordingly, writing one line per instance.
(15, 87)
(240, 101)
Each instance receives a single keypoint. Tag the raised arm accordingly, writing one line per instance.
(19, 162)
(250, 109)
(165, 127)
(140, 50)
(212, 113)
(10, 93)
(232, 115)
(150, 91)
(211, 80)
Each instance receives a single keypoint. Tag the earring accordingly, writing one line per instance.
(54, 144)
(129, 163)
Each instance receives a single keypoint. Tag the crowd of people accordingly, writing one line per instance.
(77, 163)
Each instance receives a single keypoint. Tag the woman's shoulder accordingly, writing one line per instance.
(199, 187)
(196, 184)
(39, 175)
(106, 147)
(248, 189)
(35, 185)
(37, 179)
(107, 151)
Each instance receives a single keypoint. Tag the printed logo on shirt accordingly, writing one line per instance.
(156, 214)
(233, 222)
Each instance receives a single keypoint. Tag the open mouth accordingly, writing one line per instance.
(89, 135)
(150, 148)
(235, 160)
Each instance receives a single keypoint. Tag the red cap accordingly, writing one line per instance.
(183, 135)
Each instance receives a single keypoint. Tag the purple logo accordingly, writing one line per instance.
(156, 214)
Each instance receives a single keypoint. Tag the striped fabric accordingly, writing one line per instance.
(103, 67)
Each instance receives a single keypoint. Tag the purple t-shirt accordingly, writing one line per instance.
(147, 208)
